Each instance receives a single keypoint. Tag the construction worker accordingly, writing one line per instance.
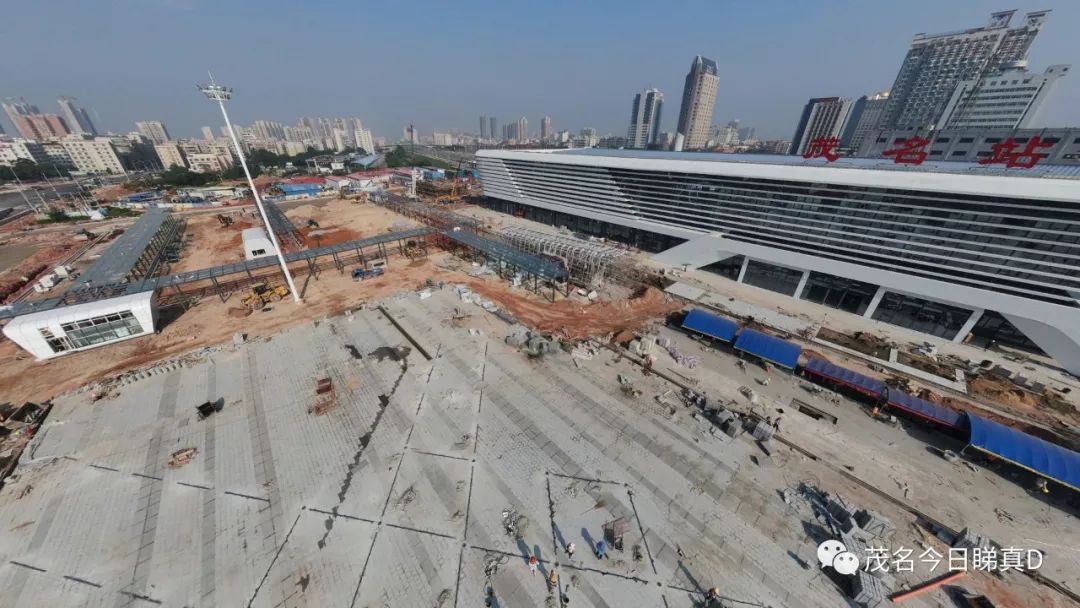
(601, 550)
(712, 596)
(533, 564)
(570, 550)
(553, 580)
(1042, 486)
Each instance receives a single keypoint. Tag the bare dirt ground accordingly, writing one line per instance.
(207, 324)
(211, 244)
(577, 320)
(214, 322)
(12, 255)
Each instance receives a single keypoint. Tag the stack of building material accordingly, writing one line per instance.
(874, 523)
(868, 591)
(763, 431)
(970, 540)
(841, 515)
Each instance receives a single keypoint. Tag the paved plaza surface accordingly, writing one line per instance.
(446, 459)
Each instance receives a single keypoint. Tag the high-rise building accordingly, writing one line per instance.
(411, 135)
(170, 154)
(522, 130)
(936, 64)
(821, 117)
(208, 134)
(483, 127)
(746, 134)
(77, 119)
(698, 104)
(1009, 98)
(364, 140)
(545, 128)
(727, 135)
(11, 151)
(268, 130)
(865, 116)
(47, 125)
(154, 130)
(17, 110)
(492, 128)
(645, 118)
(94, 154)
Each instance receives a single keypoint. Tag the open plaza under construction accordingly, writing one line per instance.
(462, 390)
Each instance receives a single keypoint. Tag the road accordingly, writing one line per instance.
(14, 199)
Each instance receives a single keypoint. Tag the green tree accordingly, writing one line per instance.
(29, 171)
(180, 177)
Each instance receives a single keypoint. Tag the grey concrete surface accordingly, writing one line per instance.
(400, 494)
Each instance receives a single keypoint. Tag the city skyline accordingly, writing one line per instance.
(764, 87)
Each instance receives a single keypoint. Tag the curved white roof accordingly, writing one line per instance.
(26, 326)
(1050, 182)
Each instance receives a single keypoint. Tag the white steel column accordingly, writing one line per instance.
(802, 285)
(970, 323)
(742, 270)
(874, 302)
(219, 94)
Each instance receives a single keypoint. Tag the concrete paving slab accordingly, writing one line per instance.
(291, 508)
(411, 570)
(431, 494)
(317, 568)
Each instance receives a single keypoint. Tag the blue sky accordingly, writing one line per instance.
(441, 65)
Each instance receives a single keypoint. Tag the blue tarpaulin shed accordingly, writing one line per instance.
(842, 375)
(710, 325)
(926, 410)
(300, 188)
(1034, 454)
(780, 352)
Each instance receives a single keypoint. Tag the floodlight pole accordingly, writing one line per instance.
(221, 94)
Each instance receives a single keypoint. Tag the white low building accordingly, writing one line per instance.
(68, 329)
(256, 243)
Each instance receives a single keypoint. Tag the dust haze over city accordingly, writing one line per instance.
(591, 304)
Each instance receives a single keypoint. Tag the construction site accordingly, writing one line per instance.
(459, 390)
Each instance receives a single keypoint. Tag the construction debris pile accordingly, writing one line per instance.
(857, 530)
(514, 524)
(532, 343)
(181, 457)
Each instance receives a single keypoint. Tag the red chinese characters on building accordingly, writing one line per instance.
(1008, 154)
(823, 147)
(910, 152)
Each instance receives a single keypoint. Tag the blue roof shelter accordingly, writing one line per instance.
(762, 345)
(926, 410)
(842, 375)
(1036, 455)
(713, 326)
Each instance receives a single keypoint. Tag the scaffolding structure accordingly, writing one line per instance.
(431, 215)
(587, 261)
(223, 280)
(280, 223)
